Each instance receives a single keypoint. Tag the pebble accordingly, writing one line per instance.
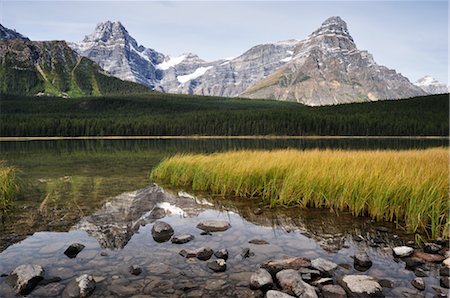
(73, 250)
(403, 251)
(221, 254)
(218, 265)
(418, 283)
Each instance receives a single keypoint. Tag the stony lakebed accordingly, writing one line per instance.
(159, 243)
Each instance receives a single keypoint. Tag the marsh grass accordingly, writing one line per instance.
(9, 187)
(408, 187)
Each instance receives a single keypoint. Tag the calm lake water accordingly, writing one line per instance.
(67, 184)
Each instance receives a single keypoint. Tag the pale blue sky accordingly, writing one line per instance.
(410, 36)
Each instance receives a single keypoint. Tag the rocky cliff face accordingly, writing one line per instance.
(432, 86)
(6, 33)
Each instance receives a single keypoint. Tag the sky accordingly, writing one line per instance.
(408, 36)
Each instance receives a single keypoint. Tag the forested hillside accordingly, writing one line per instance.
(166, 114)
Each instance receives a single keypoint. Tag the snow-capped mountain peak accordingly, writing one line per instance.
(432, 86)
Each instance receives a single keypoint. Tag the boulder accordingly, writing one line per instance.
(181, 239)
(218, 265)
(324, 266)
(362, 261)
(261, 279)
(214, 225)
(81, 287)
(361, 286)
(277, 294)
(162, 231)
(403, 251)
(73, 250)
(433, 258)
(274, 266)
(418, 283)
(25, 277)
(333, 291)
(222, 254)
(432, 248)
(291, 282)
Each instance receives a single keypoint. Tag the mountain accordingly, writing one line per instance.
(432, 86)
(327, 68)
(6, 33)
(112, 47)
(53, 68)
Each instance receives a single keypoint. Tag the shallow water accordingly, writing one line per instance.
(68, 183)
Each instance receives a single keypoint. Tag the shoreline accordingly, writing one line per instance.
(194, 137)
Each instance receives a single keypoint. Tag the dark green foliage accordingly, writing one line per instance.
(168, 114)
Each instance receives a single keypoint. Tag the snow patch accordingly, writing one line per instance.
(287, 59)
(171, 62)
(197, 73)
(171, 208)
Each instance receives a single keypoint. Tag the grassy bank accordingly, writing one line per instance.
(9, 187)
(408, 187)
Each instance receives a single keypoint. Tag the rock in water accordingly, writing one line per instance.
(81, 287)
(214, 225)
(222, 254)
(162, 231)
(434, 258)
(73, 250)
(361, 286)
(324, 266)
(403, 251)
(261, 279)
(291, 282)
(204, 253)
(432, 248)
(25, 277)
(218, 265)
(258, 242)
(181, 239)
(418, 283)
(277, 294)
(274, 266)
(333, 291)
(135, 270)
(362, 261)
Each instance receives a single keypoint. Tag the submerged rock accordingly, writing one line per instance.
(361, 286)
(291, 282)
(218, 265)
(261, 279)
(362, 261)
(25, 277)
(444, 281)
(162, 231)
(277, 294)
(135, 270)
(181, 239)
(403, 251)
(222, 254)
(214, 225)
(333, 291)
(418, 283)
(274, 266)
(82, 287)
(419, 272)
(202, 253)
(258, 242)
(73, 250)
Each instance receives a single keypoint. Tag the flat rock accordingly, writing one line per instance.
(73, 250)
(277, 294)
(221, 254)
(161, 231)
(403, 251)
(434, 258)
(274, 266)
(418, 283)
(258, 242)
(181, 239)
(323, 265)
(333, 291)
(214, 225)
(25, 277)
(361, 286)
(218, 265)
(261, 279)
(291, 282)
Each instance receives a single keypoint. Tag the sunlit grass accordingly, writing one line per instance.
(9, 187)
(409, 187)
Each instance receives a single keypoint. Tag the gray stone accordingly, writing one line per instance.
(277, 294)
(323, 281)
(50, 290)
(403, 251)
(419, 272)
(81, 287)
(214, 284)
(261, 279)
(218, 265)
(432, 248)
(274, 266)
(324, 266)
(181, 239)
(25, 277)
(214, 225)
(418, 283)
(362, 260)
(444, 281)
(135, 270)
(162, 231)
(204, 253)
(73, 250)
(333, 291)
(291, 282)
(222, 254)
(246, 253)
(361, 286)
(258, 242)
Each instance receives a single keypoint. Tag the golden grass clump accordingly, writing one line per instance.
(409, 187)
(9, 187)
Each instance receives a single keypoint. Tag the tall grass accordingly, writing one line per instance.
(408, 187)
(9, 187)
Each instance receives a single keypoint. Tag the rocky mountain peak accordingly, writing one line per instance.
(108, 31)
(6, 33)
(333, 26)
(432, 86)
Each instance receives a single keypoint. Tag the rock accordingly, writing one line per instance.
(274, 266)
(446, 262)
(386, 283)
(419, 272)
(418, 283)
(258, 242)
(261, 279)
(187, 253)
(214, 225)
(218, 265)
(215, 284)
(246, 253)
(291, 282)
(277, 294)
(361, 286)
(25, 277)
(162, 231)
(73, 250)
(403, 251)
(222, 254)
(204, 253)
(135, 270)
(444, 281)
(258, 211)
(412, 263)
(313, 273)
(362, 261)
(324, 266)
(432, 248)
(181, 239)
(82, 286)
(50, 290)
(323, 281)
(157, 213)
(433, 258)
(444, 271)
(440, 241)
(333, 291)
(358, 238)
(383, 229)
